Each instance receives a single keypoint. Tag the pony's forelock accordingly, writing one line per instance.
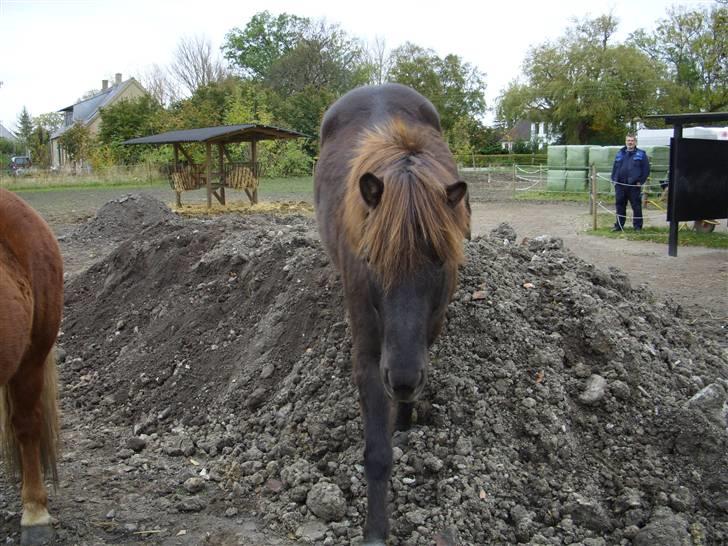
(413, 212)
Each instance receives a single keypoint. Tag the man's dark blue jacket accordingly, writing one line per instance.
(630, 167)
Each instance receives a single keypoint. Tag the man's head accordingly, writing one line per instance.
(631, 142)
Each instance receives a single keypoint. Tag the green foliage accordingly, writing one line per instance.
(25, 128)
(263, 41)
(124, 120)
(284, 158)
(692, 45)
(588, 87)
(76, 142)
(455, 88)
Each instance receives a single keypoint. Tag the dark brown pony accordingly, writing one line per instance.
(31, 302)
(392, 215)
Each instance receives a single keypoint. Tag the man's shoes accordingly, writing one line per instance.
(616, 228)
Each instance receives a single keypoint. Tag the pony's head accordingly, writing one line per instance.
(406, 216)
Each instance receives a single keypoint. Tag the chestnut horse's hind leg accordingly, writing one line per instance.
(25, 391)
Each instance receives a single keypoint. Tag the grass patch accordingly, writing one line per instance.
(686, 237)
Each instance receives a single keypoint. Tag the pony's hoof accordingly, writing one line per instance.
(35, 535)
(374, 543)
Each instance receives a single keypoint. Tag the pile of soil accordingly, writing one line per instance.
(563, 406)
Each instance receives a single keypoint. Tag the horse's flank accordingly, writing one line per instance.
(414, 165)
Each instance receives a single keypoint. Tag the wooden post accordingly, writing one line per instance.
(254, 165)
(178, 194)
(514, 180)
(593, 178)
(208, 171)
(222, 173)
(672, 191)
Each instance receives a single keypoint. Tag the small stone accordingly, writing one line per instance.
(596, 388)
(326, 501)
(194, 485)
(136, 444)
(191, 504)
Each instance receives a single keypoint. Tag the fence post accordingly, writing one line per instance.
(514, 181)
(594, 195)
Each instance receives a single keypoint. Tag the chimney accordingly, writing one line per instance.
(117, 78)
(104, 85)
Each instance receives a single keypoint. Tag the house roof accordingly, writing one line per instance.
(86, 110)
(7, 133)
(220, 135)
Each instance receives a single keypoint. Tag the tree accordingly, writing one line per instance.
(157, 81)
(590, 89)
(128, 119)
(380, 62)
(693, 47)
(24, 129)
(455, 88)
(76, 142)
(263, 41)
(195, 65)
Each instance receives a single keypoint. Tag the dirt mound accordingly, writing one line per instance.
(562, 406)
(121, 217)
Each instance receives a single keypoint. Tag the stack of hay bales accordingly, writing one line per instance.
(602, 157)
(568, 167)
(577, 168)
(556, 162)
(659, 163)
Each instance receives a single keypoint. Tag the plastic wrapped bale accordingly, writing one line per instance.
(556, 180)
(577, 157)
(576, 180)
(556, 157)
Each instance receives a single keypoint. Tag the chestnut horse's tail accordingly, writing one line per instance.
(49, 439)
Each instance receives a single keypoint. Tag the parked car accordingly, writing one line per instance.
(19, 164)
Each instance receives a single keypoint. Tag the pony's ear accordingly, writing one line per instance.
(456, 192)
(371, 189)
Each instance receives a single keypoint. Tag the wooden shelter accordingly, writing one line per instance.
(215, 176)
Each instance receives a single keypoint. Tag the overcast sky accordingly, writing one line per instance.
(54, 51)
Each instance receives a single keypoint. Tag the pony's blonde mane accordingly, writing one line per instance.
(414, 210)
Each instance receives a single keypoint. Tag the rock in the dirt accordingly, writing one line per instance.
(136, 444)
(326, 501)
(596, 388)
(194, 485)
(312, 532)
(665, 529)
(192, 504)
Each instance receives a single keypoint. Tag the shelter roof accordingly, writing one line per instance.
(700, 117)
(220, 135)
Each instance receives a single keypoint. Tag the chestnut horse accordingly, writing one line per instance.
(392, 215)
(31, 302)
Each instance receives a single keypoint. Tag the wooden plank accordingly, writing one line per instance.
(221, 169)
(254, 165)
(208, 170)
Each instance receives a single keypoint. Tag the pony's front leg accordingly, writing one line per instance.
(375, 408)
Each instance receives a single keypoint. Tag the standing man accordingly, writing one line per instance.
(631, 169)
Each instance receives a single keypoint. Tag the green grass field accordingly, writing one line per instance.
(686, 237)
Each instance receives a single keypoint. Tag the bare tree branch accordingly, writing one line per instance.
(195, 63)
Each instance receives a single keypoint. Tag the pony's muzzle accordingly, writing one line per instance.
(403, 386)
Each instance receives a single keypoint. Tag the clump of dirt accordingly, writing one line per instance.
(563, 406)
